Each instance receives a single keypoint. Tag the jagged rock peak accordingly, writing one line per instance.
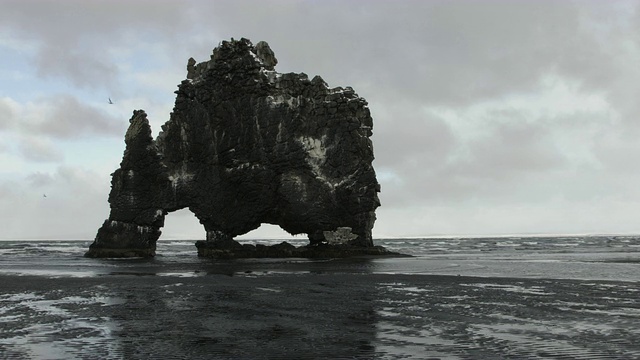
(260, 54)
(266, 55)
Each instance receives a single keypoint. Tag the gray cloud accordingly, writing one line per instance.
(39, 179)
(434, 52)
(7, 113)
(59, 117)
(37, 131)
(74, 39)
(407, 133)
(75, 65)
(39, 149)
(464, 95)
(454, 56)
(69, 118)
(508, 149)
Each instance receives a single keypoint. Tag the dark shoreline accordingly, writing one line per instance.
(232, 249)
(262, 313)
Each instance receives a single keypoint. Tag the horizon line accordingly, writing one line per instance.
(430, 236)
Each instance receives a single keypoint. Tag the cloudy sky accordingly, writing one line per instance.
(490, 117)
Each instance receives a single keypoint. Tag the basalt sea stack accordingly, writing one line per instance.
(246, 145)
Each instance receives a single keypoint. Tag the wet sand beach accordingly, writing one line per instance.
(464, 298)
(310, 310)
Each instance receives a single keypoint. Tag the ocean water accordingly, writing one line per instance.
(566, 257)
(570, 297)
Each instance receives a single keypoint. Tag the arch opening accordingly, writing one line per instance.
(269, 234)
(181, 225)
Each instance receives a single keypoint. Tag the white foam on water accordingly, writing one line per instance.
(41, 338)
(255, 274)
(181, 274)
(26, 296)
(268, 289)
(413, 289)
(4, 252)
(458, 297)
(64, 249)
(592, 309)
(171, 285)
(175, 243)
(50, 273)
(533, 290)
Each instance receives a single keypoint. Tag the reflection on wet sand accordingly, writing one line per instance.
(272, 315)
(447, 317)
(286, 316)
(47, 327)
(312, 309)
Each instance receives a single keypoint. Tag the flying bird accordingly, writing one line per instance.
(44, 195)
(110, 102)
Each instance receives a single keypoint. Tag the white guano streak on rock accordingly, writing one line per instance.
(341, 235)
(272, 76)
(183, 134)
(245, 166)
(129, 226)
(275, 101)
(255, 57)
(279, 135)
(179, 177)
(317, 156)
(315, 148)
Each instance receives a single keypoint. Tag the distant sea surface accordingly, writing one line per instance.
(570, 297)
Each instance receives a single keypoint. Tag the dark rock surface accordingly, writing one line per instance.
(246, 145)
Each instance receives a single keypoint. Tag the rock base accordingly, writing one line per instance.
(119, 253)
(232, 249)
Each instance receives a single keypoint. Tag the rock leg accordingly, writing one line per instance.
(122, 239)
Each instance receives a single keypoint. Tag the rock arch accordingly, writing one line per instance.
(246, 145)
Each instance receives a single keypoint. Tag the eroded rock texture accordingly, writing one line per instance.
(246, 145)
